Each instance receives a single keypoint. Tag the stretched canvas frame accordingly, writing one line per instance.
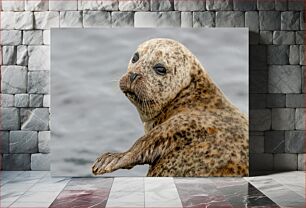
(89, 113)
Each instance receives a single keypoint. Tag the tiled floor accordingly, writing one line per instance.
(38, 189)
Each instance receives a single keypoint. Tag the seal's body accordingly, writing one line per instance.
(191, 129)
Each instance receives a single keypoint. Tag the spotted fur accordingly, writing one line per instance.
(191, 128)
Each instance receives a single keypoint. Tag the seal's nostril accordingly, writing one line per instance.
(133, 76)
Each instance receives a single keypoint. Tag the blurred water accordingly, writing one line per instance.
(90, 115)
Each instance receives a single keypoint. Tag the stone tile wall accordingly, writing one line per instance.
(276, 68)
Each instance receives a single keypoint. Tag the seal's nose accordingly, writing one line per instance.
(133, 76)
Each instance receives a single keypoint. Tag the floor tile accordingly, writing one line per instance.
(90, 184)
(47, 184)
(125, 200)
(200, 192)
(30, 205)
(295, 181)
(277, 192)
(161, 192)
(125, 184)
(37, 196)
(7, 176)
(81, 199)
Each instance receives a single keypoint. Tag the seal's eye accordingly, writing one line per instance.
(160, 69)
(135, 57)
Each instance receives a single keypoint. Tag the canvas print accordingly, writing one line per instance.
(149, 102)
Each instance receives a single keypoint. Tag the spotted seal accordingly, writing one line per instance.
(191, 128)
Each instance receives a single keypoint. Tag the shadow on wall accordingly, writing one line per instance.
(269, 112)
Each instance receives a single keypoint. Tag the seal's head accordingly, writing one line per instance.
(157, 72)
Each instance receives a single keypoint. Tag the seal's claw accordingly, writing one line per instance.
(106, 163)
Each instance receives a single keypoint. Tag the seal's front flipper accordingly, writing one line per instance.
(110, 162)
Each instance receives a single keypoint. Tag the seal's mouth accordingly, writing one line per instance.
(134, 97)
(130, 94)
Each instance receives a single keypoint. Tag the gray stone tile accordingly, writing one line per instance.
(4, 141)
(7, 100)
(98, 5)
(283, 118)
(24, 20)
(44, 141)
(38, 5)
(64, 5)
(97, 19)
(297, 5)
(35, 119)
(261, 161)
(281, 5)
(285, 79)
(269, 20)
(258, 82)
(301, 161)
(38, 82)
(247, 5)
(39, 58)
(11, 37)
(299, 37)
(162, 5)
(300, 119)
(13, 6)
(23, 142)
(278, 54)
(22, 55)
(302, 56)
(186, 19)
(256, 144)
(46, 20)
(222, 5)
(256, 133)
(71, 19)
(134, 5)
(302, 20)
(196, 5)
(265, 5)
(290, 20)
(9, 55)
(257, 101)
(276, 100)
(303, 79)
(260, 120)
(285, 162)
(274, 141)
(258, 56)
(14, 79)
(266, 37)
(40, 161)
(122, 19)
(294, 141)
(294, 54)
(46, 101)
(157, 19)
(16, 161)
(203, 19)
(295, 100)
(7, 20)
(21, 100)
(251, 21)
(10, 119)
(229, 19)
(283, 37)
(36, 100)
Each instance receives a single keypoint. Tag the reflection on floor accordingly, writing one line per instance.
(38, 189)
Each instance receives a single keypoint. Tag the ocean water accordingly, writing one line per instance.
(89, 113)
